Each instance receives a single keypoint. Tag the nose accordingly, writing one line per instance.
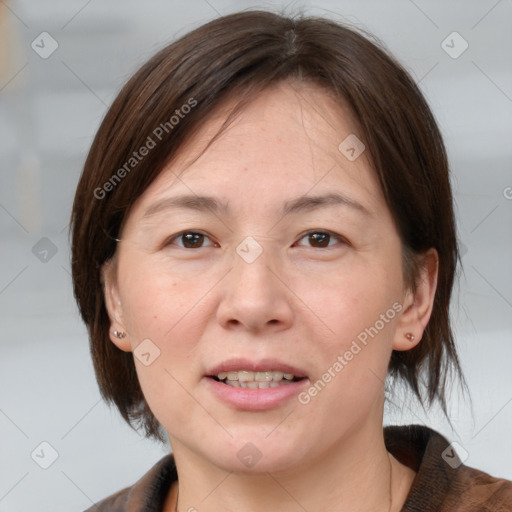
(255, 296)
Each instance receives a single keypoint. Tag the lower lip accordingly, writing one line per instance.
(255, 399)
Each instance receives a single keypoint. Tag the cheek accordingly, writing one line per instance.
(356, 317)
(165, 314)
(170, 316)
(346, 303)
(156, 297)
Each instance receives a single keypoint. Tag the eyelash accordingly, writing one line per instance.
(341, 239)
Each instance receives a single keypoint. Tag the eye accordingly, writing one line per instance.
(189, 239)
(321, 239)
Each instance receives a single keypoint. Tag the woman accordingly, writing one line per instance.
(263, 232)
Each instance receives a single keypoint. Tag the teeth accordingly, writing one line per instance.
(262, 376)
(255, 380)
(245, 376)
(277, 376)
(255, 385)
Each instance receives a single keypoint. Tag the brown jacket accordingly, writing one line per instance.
(442, 483)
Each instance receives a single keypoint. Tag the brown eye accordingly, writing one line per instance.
(321, 239)
(188, 239)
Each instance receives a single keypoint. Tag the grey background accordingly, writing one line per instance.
(50, 109)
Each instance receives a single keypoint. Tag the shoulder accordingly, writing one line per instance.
(114, 503)
(443, 482)
(473, 489)
(148, 494)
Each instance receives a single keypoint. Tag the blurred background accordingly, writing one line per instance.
(61, 65)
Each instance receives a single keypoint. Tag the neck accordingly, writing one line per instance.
(354, 475)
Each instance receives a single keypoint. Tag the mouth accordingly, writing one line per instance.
(248, 379)
(250, 385)
(249, 374)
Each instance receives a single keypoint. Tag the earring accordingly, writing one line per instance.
(119, 335)
(410, 336)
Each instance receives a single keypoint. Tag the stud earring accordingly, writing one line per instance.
(410, 336)
(119, 335)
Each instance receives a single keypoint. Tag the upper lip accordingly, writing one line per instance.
(262, 365)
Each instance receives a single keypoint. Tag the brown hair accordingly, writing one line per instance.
(237, 56)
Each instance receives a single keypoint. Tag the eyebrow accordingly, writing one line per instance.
(294, 206)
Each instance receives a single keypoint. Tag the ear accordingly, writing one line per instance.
(113, 305)
(417, 306)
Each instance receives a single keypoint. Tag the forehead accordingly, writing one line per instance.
(285, 143)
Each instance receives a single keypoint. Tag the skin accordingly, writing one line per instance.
(300, 301)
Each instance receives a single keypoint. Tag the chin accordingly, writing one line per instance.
(250, 455)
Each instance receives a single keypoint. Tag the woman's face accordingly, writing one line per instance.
(292, 263)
